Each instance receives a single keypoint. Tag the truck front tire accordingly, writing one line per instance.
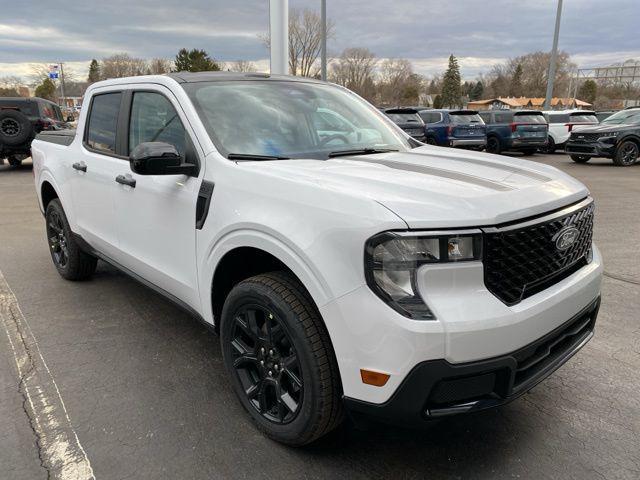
(279, 357)
(70, 261)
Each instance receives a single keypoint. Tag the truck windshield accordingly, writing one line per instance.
(630, 117)
(285, 119)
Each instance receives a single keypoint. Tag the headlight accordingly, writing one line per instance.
(392, 259)
(609, 135)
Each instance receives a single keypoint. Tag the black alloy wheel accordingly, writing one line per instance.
(57, 240)
(266, 364)
(627, 154)
(580, 158)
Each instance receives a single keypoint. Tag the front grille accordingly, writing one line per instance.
(522, 261)
(585, 137)
(573, 148)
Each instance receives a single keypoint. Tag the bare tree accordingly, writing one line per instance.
(355, 69)
(159, 66)
(123, 65)
(242, 66)
(394, 76)
(304, 41)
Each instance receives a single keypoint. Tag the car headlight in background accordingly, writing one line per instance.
(392, 259)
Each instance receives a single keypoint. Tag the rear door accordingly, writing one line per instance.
(94, 170)
(156, 216)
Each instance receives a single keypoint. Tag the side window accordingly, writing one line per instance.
(103, 120)
(486, 117)
(153, 119)
(503, 117)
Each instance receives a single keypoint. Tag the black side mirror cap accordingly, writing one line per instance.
(159, 158)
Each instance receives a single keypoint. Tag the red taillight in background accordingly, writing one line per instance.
(514, 126)
(449, 130)
(570, 125)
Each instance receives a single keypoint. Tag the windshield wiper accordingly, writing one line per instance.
(251, 156)
(360, 151)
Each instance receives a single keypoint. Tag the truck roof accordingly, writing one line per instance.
(192, 77)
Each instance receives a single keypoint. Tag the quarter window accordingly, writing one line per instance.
(153, 119)
(103, 120)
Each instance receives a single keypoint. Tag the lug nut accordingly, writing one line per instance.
(270, 373)
(270, 352)
(275, 366)
(262, 362)
(262, 350)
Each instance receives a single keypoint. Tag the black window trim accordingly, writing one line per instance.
(127, 119)
(85, 134)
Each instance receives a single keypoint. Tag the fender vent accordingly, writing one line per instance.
(202, 205)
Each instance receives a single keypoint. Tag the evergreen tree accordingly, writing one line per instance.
(46, 90)
(588, 91)
(515, 88)
(194, 60)
(477, 92)
(451, 87)
(94, 71)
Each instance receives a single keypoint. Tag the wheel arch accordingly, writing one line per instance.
(47, 193)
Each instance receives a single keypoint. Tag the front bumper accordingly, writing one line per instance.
(438, 388)
(472, 324)
(593, 149)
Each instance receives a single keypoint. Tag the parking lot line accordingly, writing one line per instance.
(59, 449)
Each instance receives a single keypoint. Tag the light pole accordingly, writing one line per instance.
(323, 39)
(552, 61)
(279, 35)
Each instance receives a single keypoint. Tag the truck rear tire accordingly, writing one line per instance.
(493, 145)
(14, 161)
(68, 258)
(626, 154)
(15, 128)
(280, 360)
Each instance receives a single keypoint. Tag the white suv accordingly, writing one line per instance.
(350, 269)
(563, 122)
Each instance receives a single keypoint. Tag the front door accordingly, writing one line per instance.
(156, 213)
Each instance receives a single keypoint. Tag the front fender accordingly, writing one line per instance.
(247, 236)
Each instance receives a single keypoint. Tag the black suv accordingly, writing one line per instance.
(408, 120)
(617, 137)
(20, 120)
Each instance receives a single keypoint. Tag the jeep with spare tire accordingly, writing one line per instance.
(20, 120)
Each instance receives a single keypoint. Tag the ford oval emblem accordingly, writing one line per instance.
(566, 237)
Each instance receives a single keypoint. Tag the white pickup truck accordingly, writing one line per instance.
(346, 266)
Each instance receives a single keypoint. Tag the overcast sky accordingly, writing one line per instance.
(479, 32)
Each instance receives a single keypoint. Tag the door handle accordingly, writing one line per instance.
(80, 166)
(126, 180)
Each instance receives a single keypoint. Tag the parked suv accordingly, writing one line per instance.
(454, 128)
(617, 137)
(20, 120)
(520, 131)
(408, 120)
(562, 123)
(343, 272)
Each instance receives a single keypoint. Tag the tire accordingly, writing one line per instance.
(14, 162)
(15, 128)
(551, 146)
(493, 145)
(529, 151)
(580, 158)
(626, 154)
(431, 141)
(70, 261)
(295, 359)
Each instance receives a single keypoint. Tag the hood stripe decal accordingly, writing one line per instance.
(509, 168)
(436, 172)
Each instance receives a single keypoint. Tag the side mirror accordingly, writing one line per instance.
(159, 158)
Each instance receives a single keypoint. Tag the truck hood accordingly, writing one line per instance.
(434, 187)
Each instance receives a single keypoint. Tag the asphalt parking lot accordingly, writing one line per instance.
(145, 393)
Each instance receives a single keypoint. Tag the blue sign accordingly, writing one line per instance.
(53, 74)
